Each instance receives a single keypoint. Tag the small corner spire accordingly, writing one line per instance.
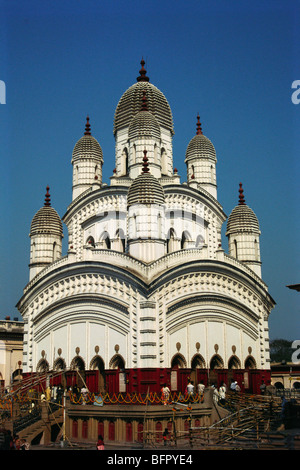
(47, 198)
(87, 126)
(143, 77)
(145, 163)
(241, 196)
(199, 128)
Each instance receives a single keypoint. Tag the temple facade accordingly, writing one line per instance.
(146, 293)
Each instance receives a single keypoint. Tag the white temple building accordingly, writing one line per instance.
(146, 294)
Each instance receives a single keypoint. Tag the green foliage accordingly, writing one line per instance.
(281, 350)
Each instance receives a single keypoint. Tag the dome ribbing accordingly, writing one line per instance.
(87, 147)
(242, 218)
(145, 189)
(200, 146)
(130, 104)
(46, 220)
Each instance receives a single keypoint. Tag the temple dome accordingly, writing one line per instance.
(242, 218)
(200, 146)
(145, 189)
(87, 147)
(130, 104)
(46, 220)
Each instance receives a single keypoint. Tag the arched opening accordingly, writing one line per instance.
(197, 362)
(120, 240)
(171, 240)
(105, 241)
(216, 364)
(90, 241)
(185, 238)
(97, 363)
(164, 170)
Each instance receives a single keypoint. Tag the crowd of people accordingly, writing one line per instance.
(11, 442)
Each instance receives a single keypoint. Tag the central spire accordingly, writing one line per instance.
(241, 196)
(87, 126)
(47, 198)
(143, 77)
(199, 129)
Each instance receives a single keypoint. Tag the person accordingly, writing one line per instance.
(17, 442)
(84, 393)
(201, 388)
(165, 394)
(215, 394)
(270, 389)
(190, 388)
(262, 388)
(237, 387)
(24, 445)
(222, 393)
(100, 443)
(165, 436)
(8, 440)
(233, 385)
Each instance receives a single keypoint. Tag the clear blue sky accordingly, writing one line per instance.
(232, 61)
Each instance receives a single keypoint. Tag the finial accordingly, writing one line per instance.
(145, 163)
(144, 102)
(241, 196)
(87, 127)
(143, 77)
(199, 129)
(47, 197)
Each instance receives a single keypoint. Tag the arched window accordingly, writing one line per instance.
(216, 362)
(163, 162)
(234, 363)
(90, 241)
(178, 361)
(105, 241)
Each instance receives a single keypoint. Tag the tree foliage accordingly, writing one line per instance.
(281, 350)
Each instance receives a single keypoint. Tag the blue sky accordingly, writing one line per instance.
(233, 62)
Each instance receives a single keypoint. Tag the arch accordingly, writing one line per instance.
(125, 161)
(121, 238)
(199, 241)
(234, 362)
(250, 363)
(178, 361)
(97, 363)
(42, 366)
(185, 237)
(90, 241)
(59, 364)
(105, 240)
(155, 153)
(133, 154)
(198, 362)
(216, 362)
(279, 385)
(117, 362)
(235, 250)
(77, 363)
(163, 160)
